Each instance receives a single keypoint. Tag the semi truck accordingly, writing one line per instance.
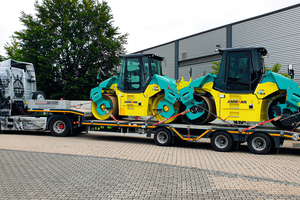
(25, 109)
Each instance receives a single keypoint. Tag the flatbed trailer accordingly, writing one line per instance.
(63, 117)
(223, 138)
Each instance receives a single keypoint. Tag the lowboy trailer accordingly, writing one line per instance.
(223, 138)
(63, 117)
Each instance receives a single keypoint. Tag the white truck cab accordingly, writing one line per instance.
(17, 86)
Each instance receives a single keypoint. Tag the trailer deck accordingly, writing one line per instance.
(62, 117)
(221, 134)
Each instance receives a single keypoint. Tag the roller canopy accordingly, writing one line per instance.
(262, 50)
(142, 55)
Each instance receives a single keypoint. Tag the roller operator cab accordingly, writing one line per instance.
(139, 90)
(242, 91)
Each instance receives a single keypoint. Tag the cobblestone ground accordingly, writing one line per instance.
(89, 166)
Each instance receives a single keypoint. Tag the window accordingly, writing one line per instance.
(238, 71)
(156, 66)
(133, 70)
(220, 80)
(146, 75)
(122, 75)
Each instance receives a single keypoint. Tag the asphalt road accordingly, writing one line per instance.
(91, 166)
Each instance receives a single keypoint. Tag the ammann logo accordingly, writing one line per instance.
(130, 102)
(237, 101)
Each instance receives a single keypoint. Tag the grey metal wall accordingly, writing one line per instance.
(167, 51)
(198, 70)
(203, 44)
(278, 32)
(199, 46)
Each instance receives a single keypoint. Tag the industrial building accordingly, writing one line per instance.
(277, 31)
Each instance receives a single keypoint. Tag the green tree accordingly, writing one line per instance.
(68, 41)
(2, 58)
(13, 50)
(276, 68)
(215, 67)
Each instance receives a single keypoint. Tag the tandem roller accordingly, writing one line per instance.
(139, 90)
(242, 91)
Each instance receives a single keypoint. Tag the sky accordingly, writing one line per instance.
(151, 23)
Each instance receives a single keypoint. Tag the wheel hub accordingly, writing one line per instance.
(221, 141)
(259, 144)
(103, 107)
(162, 137)
(61, 126)
(166, 108)
(194, 109)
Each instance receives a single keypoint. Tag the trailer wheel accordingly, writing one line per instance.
(221, 141)
(259, 143)
(162, 137)
(59, 126)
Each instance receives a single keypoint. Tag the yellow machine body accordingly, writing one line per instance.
(242, 106)
(136, 104)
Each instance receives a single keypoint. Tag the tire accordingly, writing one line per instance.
(162, 137)
(113, 101)
(260, 143)
(221, 141)
(208, 104)
(39, 95)
(157, 113)
(59, 127)
(282, 124)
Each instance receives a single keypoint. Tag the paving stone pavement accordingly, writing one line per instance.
(90, 166)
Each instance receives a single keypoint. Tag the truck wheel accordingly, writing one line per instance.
(39, 95)
(259, 143)
(162, 137)
(59, 126)
(221, 141)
